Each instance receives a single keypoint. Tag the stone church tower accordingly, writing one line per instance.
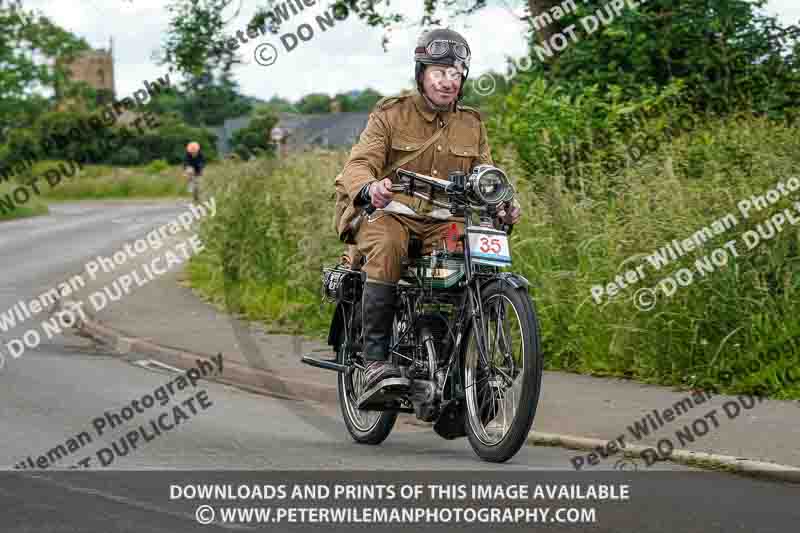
(95, 68)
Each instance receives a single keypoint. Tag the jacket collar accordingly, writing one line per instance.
(426, 111)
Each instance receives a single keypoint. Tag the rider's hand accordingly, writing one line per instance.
(509, 218)
(380, 193)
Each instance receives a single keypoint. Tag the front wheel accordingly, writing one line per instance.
(502, 387)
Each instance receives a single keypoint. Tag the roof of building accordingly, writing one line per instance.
(329, 129)
(326, 129)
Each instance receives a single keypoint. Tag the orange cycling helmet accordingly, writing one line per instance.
(193, 147)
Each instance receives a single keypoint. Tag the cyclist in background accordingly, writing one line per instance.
(193, 164)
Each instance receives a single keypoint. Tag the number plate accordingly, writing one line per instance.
(489, 246)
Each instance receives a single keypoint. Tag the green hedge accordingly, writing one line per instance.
(83, 136)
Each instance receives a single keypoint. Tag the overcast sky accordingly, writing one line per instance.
(345, 57)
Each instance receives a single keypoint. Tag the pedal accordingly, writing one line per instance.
(387, 395)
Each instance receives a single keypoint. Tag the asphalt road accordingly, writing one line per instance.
(55, 393)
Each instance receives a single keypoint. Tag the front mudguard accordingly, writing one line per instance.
(516, 281)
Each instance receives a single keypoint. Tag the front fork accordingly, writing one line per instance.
(474, 294)
(477, 316)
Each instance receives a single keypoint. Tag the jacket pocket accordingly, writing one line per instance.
(462, 150)
(463, 157)
(406, 143)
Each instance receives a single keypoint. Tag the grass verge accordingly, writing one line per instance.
(100, 182)
(33, 207)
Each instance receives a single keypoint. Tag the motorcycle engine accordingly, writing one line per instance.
(436, 323)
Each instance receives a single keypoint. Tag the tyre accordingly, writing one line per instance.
(366, 427)
(502, 390)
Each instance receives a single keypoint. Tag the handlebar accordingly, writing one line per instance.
(408, 186)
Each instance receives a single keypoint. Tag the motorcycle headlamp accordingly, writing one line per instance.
(489, 185)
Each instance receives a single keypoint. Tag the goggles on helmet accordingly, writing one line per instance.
(442, 47)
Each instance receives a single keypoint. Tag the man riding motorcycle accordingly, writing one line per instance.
(428, 133)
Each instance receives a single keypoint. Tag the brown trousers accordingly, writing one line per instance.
(383, 240)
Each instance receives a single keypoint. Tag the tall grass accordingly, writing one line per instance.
(274, 232)
(270, 238)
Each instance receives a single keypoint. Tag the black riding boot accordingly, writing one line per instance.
(377, 317)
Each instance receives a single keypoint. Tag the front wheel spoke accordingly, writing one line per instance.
(496, 334)
(506, 348)
(484, 403)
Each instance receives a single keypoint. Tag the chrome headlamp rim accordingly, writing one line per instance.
(473, 185)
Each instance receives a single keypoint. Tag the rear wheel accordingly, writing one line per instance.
(502, 388)
(366, 427)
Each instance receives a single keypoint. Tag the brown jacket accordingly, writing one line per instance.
(398, 126)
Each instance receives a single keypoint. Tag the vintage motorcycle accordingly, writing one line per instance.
(465, 332)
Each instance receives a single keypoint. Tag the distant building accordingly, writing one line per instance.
(96, 69)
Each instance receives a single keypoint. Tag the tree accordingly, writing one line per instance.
(483, 94)
(195, 44)
(344, 101)
(366, 100)
(255, 136)
(30, 45)
(196, 47)
(314, 103)
(353, 101)
(278, 105)
(639, 74)
(379, 12)
(213, 104)
(728, 54)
